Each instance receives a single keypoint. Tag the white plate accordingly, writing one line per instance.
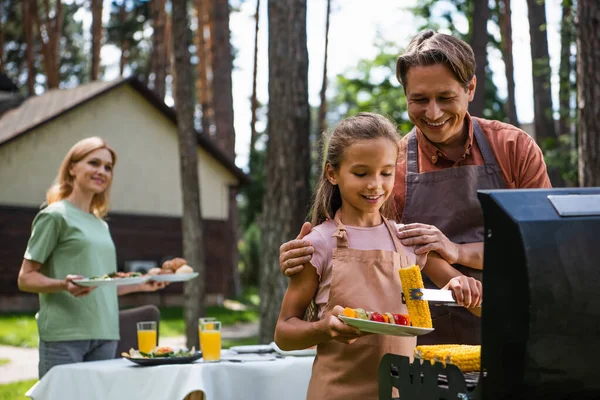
(173, 277)
(255, 349)
(383, 328)
(247, 357)
(295, 353)
(111, 281)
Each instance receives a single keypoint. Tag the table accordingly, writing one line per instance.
(284, 378)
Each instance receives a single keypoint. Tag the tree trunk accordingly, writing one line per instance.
(254, 100)
(565, 69)
(124, 42)
(540, 66)
(96, 38)
(210, 52)
(481, 14)
(287, 166)
(193, 240)
(201, 67)
(507, 56)
(50, 62)
(223, 105)
(323, 106)
(28, 33)
(159, 61)
(588, 91)
(1, 39)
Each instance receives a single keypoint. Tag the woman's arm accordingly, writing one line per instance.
(292, 332)
(33, 281)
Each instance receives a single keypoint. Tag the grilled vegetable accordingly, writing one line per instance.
(465, 357)
(418, 310)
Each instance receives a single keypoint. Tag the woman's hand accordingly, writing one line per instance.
(428, 238)
(467, 291)
(337, 330)
(75, 289)
(151, 286)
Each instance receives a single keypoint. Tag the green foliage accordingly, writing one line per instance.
(4, 361)
(18, 329)
(16, 390)
(562, 155)
(249, 250)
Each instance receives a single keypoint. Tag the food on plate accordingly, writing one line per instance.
(184, 269)
(117, 275)
(175, 264)
(418, 310)
(160, 352)
(465, 357)
(154, 271)
(388, 318)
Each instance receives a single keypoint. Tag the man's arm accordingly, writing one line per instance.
(295, 253)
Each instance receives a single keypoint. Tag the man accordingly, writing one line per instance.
(443, 161)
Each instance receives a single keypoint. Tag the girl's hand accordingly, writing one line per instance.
(75, 289)
(338, 330)
(467, 291)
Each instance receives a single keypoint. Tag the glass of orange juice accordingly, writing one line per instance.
(146, 333)
(210, 340)
(200, 320)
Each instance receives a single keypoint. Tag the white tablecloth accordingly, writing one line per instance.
(285, 378)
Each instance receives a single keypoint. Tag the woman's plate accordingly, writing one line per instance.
(174, 277)
(111, 281)
(312, 351)
(384, 329)
(148, 362)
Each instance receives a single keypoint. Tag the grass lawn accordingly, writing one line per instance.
(16, 390)
(4, 361)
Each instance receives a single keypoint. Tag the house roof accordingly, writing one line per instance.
(38, 110)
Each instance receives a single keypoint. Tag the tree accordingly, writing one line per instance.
(193, 235)
(565, 93)
(28, 33)
(158, 58)
(287, 185)
(254, 99)
(479, 39)
(507, 55)
(202, 66)
(49, 31)
(588, 91)
(96, 38)
(323, 106)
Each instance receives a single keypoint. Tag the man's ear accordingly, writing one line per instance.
(471, 88)
(330, 174)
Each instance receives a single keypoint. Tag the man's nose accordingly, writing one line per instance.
(433, 111)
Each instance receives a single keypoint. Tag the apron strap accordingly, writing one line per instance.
(397, 244)
(412, 153)
(484, 145)
(340, 233)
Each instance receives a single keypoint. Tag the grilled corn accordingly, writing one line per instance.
(418, 310)
(465, 357)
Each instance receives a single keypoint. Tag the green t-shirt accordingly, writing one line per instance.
(67, 240)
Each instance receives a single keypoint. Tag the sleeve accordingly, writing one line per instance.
(532, 168)
(321, 255)
(45, 233)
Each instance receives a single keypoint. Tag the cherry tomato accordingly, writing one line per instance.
(377, 317)
(401, 319)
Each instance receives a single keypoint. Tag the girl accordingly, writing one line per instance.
(355, 263)
(70, 240)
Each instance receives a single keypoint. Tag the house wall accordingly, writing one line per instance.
(146, 180)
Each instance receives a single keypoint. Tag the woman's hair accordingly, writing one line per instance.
(363, 126)
(430, 48)
(63, 184)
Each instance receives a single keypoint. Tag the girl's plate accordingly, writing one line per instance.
(174, 277)
(384, 329)
(296, 353)
(111, 281)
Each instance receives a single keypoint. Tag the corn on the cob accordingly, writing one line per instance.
(418, 310)
(465, 357)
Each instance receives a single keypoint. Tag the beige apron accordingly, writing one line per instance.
(448, 200)
(366, 279)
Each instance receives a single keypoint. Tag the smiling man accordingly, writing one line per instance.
(443, 161)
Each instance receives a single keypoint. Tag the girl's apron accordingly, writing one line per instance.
(366, 279)
(448, 200)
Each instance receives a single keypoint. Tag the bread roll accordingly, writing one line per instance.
(184, 269)
(177, 262)
(154, 271)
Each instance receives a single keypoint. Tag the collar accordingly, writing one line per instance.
(433, 153)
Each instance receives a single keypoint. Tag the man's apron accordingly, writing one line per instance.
(366, 279)
(448, 200)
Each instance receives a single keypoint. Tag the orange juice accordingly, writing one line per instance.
(146, 340)
(210, 342)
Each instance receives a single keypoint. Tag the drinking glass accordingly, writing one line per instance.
(146, 333)
(210, 340)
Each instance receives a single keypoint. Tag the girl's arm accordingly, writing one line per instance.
(33, 281)
(292, 332)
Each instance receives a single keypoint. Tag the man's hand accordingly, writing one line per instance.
(467, 291)
(295, 253)
(428, 238)
(75, 289)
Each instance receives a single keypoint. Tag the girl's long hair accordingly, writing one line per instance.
(363, 126)
(63, 184)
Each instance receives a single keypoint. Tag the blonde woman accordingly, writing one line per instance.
(70, 240)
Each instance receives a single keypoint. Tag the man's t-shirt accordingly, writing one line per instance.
(67, 240)
(359, 238)
(518, 156)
